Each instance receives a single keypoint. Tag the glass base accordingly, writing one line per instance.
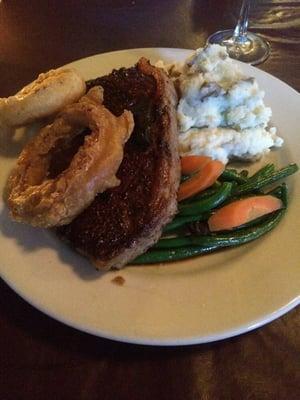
(251, 49)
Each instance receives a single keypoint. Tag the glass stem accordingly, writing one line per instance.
(240, 31)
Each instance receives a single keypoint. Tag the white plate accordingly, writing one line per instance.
(200, 300)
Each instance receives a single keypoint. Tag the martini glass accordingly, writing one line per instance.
(242, 45)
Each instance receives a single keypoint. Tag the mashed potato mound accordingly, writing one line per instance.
(221, 112)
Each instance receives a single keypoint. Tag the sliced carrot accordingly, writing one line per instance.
(242, 211)
(203, 179)
(190, 164)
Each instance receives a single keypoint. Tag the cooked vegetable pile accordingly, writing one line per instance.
(220, 208)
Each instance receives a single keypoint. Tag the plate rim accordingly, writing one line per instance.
(171, 341)
(168, 342)
(255, 67)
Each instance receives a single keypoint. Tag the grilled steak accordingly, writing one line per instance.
(125, 221)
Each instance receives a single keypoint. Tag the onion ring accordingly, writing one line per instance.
(35, 198)
(45, 96)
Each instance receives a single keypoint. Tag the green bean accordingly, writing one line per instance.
(222, 239)
(166, 255)
(277, 191)
(263, 181)
(181, 221)
(232, 175)
(206, 204)
(202, 195)
(264, 171)
(175, 242)
(203, 244)
(254, 222)
(281, 192)
(284, 195)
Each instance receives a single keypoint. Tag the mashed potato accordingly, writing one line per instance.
(224, 143)
(221, 112)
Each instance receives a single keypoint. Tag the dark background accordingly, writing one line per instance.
(42, 359)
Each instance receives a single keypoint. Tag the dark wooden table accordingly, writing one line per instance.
(43, 359)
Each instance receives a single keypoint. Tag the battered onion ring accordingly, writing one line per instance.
(36, 199)
(45, 96)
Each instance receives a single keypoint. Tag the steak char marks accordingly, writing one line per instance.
(125, 221)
